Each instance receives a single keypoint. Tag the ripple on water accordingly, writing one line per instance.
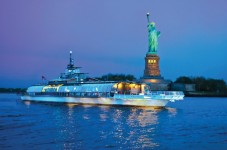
(187, 124)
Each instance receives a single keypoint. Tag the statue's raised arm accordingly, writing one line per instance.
(153, 35)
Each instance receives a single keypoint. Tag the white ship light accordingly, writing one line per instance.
(66, 89)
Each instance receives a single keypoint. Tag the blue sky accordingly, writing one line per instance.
(110, 37)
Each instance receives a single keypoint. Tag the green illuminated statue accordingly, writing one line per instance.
(153, 35)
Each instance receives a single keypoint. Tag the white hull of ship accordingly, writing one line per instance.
(116, 100)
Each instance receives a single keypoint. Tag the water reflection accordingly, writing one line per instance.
(27, 103)
(104, 113)
(134, 126)
(67, 123)
(172, 111)
(57, 126)
(142, 121)
(70, 105)
(88, 126)
(142, 117)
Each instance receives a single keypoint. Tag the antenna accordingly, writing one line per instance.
(70, 58)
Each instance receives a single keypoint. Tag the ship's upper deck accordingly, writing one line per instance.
(72, 74)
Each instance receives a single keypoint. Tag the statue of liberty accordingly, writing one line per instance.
(153, 35)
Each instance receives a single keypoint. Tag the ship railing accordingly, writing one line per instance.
(70, 94)
(156, 93)
(128, 96)
(167, 95)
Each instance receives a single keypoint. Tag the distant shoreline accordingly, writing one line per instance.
(13, 90)
(204, 94)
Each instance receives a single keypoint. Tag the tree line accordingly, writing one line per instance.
(204, 84)
(117, 77)
(12, 90)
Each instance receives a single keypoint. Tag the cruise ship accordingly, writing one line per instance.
(74, 87)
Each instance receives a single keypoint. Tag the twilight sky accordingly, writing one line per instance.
(110, 37)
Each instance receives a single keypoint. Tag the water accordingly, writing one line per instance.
(195, 123)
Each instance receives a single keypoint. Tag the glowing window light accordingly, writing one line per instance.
(151, 61)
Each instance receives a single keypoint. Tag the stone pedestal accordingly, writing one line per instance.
(152, 75)
(152, 66)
